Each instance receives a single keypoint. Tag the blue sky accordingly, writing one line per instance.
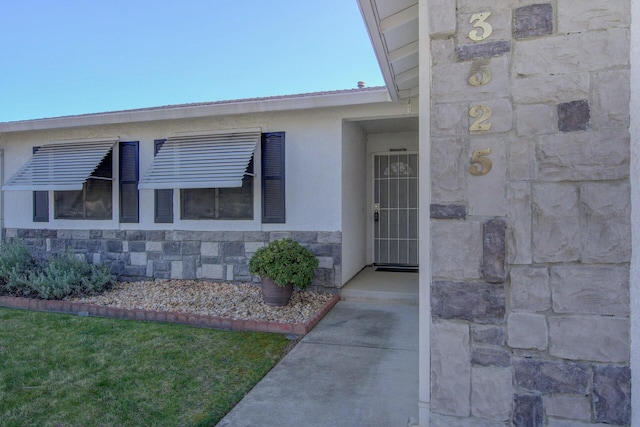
(68, 57)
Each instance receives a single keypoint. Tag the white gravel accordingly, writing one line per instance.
(241, 301)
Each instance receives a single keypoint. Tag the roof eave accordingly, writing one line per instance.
(297, 102)
(371, 21)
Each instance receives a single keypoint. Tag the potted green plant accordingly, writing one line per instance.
(282, 265)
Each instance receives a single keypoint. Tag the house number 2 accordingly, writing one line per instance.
(481, 113)
(480, 163)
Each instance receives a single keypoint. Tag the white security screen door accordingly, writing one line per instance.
(395, 209)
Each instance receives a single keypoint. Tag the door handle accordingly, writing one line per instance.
(376, 212)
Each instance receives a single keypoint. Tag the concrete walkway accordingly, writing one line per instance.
(357, 367)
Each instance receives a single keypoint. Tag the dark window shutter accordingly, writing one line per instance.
(273, 178)
(129, 199)
(163, 210)
(40, 203)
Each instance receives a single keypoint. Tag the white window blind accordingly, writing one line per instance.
(202, 161)
(60, 167)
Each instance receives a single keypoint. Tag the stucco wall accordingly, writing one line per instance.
(530, 293)
(354, 198)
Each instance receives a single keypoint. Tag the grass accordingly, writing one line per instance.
(61, 370)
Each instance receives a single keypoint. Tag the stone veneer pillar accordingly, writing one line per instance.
(210, 255)
(531, 289)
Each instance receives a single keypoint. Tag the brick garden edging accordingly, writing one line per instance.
(199, 320)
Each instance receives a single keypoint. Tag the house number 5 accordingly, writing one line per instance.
(480, 163)
(479, 21)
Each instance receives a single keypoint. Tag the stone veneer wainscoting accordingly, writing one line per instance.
(209, 255)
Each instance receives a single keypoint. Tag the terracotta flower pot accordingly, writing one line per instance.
(275, 295)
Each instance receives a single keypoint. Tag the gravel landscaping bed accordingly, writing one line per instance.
(239, 302)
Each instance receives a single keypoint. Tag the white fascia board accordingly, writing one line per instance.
(285, 103)
(373, 28)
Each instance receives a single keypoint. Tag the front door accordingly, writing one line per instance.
(395, 209)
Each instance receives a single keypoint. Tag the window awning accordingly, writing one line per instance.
(203, 161)
(60, 167)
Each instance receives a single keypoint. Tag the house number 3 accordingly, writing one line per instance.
(479, 20)
(480, 163)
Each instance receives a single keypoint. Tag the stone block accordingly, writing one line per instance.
(490, 357)
(572, 53)
(125, 246)
(450, 81)
(587, 15)
(80, 234)
(488, 334)
(486, 194)
(255, 236)
(252, 247)
(189, 267)
(528, 411)
(114, 246)
(447, 174)
(501, 117)
(533, 20)
(333, 237)
(209, 249)
(474, 302)
(493, 251)
(568, 423)
(491, 393)
(448, 211)
(155, 235)
(535, 119)
(544, 89)
(450, 119)
(590, 289)
(153, 246)
(232, 249)
(190, 248)
(500, 20)
(325, 262)
(556, 228)
(456, 249)
(550, 377)
(137, 246)
(450, 369)
(133, 235)
(442, 17)
(138, 258)
(519, 223)
(610, 100)
(212, 271)
(612, 394)
(605, 222)
(442, 51)
(484, 50)
(233, 236)
(570, 407)
(176, 269)
(589, 337)
(526, 330)
(171, 248)
(584, 156)
(574, 116)
(530, 290)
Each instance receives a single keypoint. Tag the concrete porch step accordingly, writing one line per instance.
(382, 286)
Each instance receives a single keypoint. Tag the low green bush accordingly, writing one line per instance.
(59, 277)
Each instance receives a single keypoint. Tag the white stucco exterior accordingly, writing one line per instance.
(327, 170)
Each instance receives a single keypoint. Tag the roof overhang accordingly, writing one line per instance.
(337, 98)
(393, 30)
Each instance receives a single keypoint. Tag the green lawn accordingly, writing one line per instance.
(61, 370)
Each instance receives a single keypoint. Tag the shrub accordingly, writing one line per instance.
(285, 261)
(59, 277)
